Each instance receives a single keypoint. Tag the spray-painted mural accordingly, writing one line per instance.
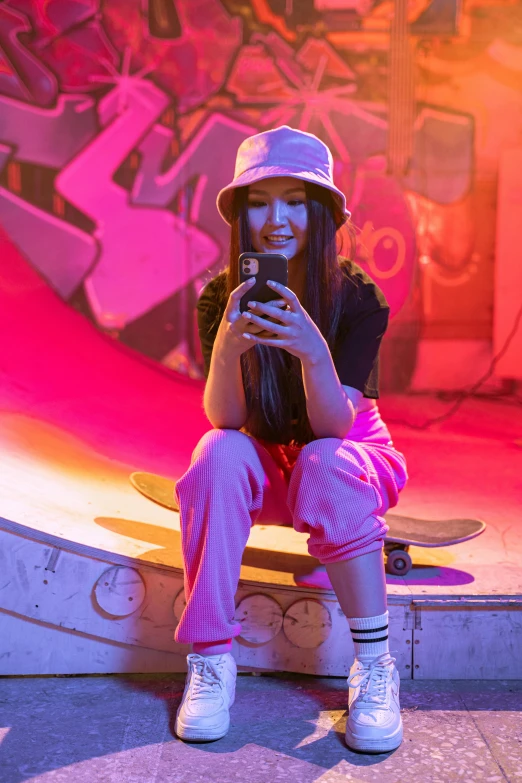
(120, 120)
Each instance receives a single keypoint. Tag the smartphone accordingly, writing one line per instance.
(262, 266)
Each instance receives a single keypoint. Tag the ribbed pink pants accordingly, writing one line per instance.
(336, 491)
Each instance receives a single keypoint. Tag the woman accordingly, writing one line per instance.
(297, 434)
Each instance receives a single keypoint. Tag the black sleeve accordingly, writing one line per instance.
(356, 355)
(209, 316)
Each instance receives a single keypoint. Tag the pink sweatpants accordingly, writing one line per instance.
(336, 491)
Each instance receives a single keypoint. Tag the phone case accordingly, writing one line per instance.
(272, 266)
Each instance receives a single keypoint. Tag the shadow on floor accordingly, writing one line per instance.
(283, 727)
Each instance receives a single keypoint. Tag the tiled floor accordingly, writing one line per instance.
(284, 728)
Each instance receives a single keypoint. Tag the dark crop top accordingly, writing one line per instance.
(356, 351)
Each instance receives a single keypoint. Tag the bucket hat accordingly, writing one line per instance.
(283, 152)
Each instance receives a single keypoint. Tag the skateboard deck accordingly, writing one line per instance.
(431, 532)
(157, 488)
(403, 533)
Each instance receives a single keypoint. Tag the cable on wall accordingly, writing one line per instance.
(463, 395)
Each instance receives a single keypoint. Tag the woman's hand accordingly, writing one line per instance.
(233, 326)
(296, 333)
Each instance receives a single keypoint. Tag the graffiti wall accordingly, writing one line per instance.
(120, 120)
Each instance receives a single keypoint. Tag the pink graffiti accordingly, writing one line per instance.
(154, 185)
(22, 76)
(386, 245)
(52, 18)
(146, 254)
(193, 66)
(269, 71)
(62, 253)
(68, 37)
(49, 137)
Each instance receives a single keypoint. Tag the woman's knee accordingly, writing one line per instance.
(217, 448)
(322, 455)
(221, 444)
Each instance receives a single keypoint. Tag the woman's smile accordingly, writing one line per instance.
(277, 240)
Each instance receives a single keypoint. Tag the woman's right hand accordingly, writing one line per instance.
(233, 325)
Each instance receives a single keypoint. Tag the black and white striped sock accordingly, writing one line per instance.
(370, 635)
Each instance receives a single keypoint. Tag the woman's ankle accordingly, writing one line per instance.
(212, 648)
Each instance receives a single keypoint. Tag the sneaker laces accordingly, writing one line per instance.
(206, 675)
(374, 679)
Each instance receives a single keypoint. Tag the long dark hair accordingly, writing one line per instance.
(272, 378)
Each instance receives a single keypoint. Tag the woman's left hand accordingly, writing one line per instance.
(297, 333)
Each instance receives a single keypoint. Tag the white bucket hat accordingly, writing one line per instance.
(283, 152)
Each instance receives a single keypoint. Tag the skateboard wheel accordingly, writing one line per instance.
(398, 562)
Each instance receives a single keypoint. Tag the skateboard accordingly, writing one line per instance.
(410, 531)
(403, 533)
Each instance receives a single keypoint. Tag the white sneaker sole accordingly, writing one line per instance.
(192, 733)
(378, 745)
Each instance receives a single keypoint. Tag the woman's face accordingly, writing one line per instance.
(278, 217)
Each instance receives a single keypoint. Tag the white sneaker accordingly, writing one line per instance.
(374, 723)
(210, 690)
